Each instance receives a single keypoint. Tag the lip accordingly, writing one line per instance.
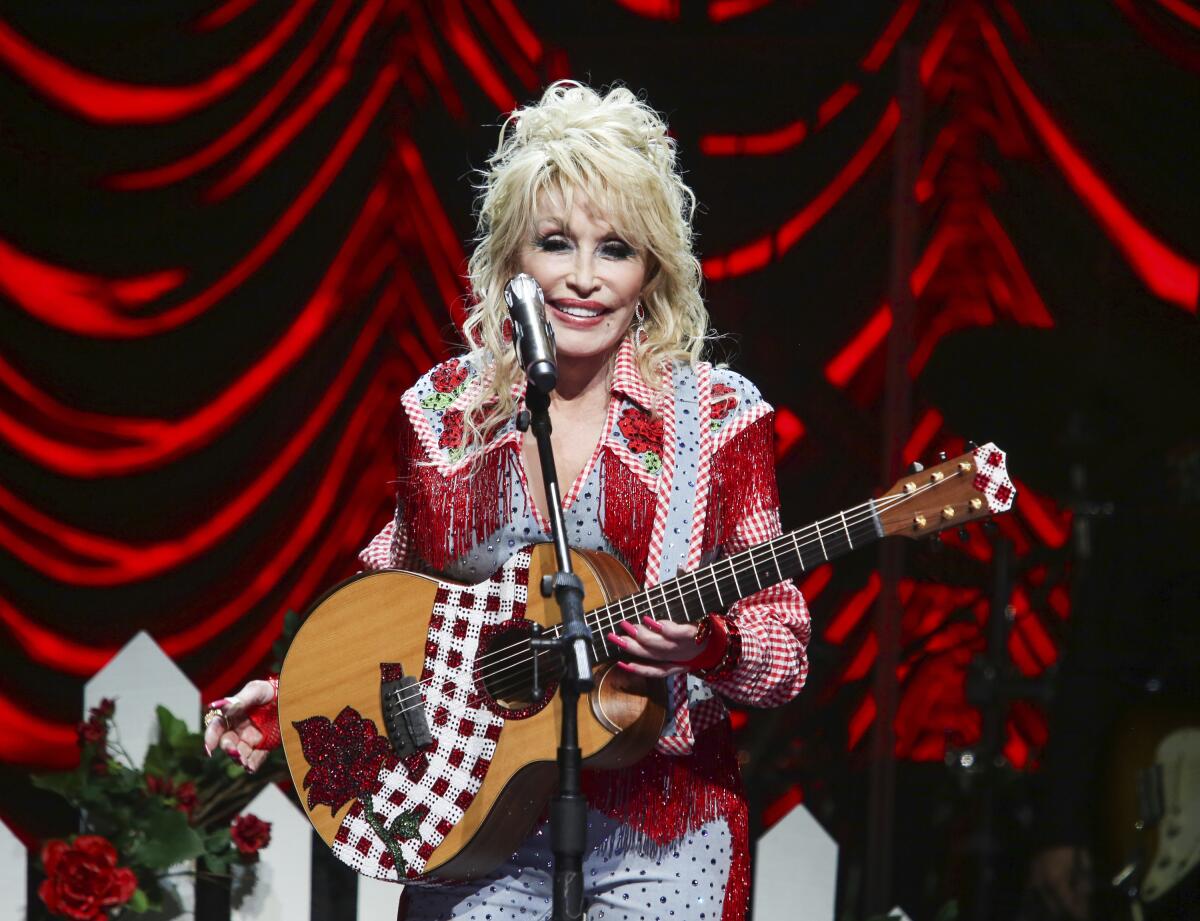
(578, 322)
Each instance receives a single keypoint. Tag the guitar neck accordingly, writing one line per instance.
(690, 596)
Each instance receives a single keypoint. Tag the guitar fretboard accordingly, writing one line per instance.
(713, 588)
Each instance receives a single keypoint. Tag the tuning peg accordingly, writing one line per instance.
(916, 467)
(971, 446)
(941, 457)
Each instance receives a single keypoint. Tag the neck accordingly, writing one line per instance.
(581, 377)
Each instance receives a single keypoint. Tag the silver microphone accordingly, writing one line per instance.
(532, 334)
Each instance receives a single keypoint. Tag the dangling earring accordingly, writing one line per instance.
(639, 323)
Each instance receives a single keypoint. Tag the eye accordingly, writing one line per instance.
(553, 243)
(616, 249)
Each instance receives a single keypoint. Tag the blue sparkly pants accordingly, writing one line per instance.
(681, 881)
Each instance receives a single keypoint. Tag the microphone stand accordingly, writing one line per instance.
(568, 810)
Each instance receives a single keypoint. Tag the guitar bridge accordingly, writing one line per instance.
(403, 710)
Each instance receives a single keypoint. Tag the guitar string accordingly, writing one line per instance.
(497, 691)
(641, 601)
(520, 651)
(518, 654)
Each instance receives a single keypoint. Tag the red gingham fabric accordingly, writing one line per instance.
(773, 624)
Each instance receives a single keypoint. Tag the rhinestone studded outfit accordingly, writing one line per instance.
(668, 837)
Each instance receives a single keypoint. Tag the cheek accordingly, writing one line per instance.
(537, 264)
(631, 280)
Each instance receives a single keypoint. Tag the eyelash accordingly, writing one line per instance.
(555, 243)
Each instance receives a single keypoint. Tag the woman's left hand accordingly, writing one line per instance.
(669, 646)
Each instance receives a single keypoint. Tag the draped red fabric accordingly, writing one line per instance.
(229, 242)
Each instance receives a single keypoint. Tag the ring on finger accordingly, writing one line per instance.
(211, 716)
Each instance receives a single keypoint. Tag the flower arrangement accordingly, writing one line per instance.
(142, 823)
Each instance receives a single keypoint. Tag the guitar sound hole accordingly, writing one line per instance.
(504, 670)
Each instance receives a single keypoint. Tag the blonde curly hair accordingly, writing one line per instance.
(614, 149)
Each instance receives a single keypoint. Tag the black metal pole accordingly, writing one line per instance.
(568, 810)
(897, 422)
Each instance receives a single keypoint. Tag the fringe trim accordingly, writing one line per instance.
(445, 516)
(626, 512)
(662, 798)
(743, 481)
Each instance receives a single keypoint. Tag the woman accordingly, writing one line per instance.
(665, 461)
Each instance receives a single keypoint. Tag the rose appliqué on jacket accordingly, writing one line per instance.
(644, 435)
(723, 403)
(452, 434)
(449, 381)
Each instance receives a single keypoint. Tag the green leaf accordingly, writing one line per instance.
(217, 863)
(66, 784)
(438, 400)
(158, 761)
(172, 731)
(406, 825)
(169, 840)
(139, 902)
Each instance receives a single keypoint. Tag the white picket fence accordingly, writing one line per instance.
(141, 677)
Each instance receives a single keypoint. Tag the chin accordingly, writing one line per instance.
(573, 345)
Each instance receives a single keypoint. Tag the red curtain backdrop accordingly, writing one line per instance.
(232, 233)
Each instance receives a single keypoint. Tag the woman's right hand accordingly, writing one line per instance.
(231, 730)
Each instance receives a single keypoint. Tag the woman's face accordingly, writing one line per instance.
(590, 276)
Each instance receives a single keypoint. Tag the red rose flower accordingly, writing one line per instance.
(83, 879)
(92, 732)
(106, 708)
(452, 429)
(184, 795)
(643, 432)
(722, 403)
(344, 757)
(448, 377)
(185, 798)
(250, 835)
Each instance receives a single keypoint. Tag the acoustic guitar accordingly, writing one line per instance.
(407, 703)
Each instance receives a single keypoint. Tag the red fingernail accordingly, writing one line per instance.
(653, 624)
(628, 628)
(625, 666)
(617, 640)
(218, 704)
(234, 755)
(207, 750)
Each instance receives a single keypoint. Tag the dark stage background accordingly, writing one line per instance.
(231, 234)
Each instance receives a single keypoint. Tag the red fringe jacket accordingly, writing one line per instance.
(450, 503)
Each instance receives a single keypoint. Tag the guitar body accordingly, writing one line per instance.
(412, 709)
(1151, 806)
(384, 618)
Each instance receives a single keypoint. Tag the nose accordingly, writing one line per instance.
(582, 278)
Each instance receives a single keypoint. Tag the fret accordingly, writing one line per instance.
(727, 578)
(662, 590)
(696, 585)
(603, 636)
(795, 535)
(737, 582)
(775, 559)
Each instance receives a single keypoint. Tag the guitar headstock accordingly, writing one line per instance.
(969, 487)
